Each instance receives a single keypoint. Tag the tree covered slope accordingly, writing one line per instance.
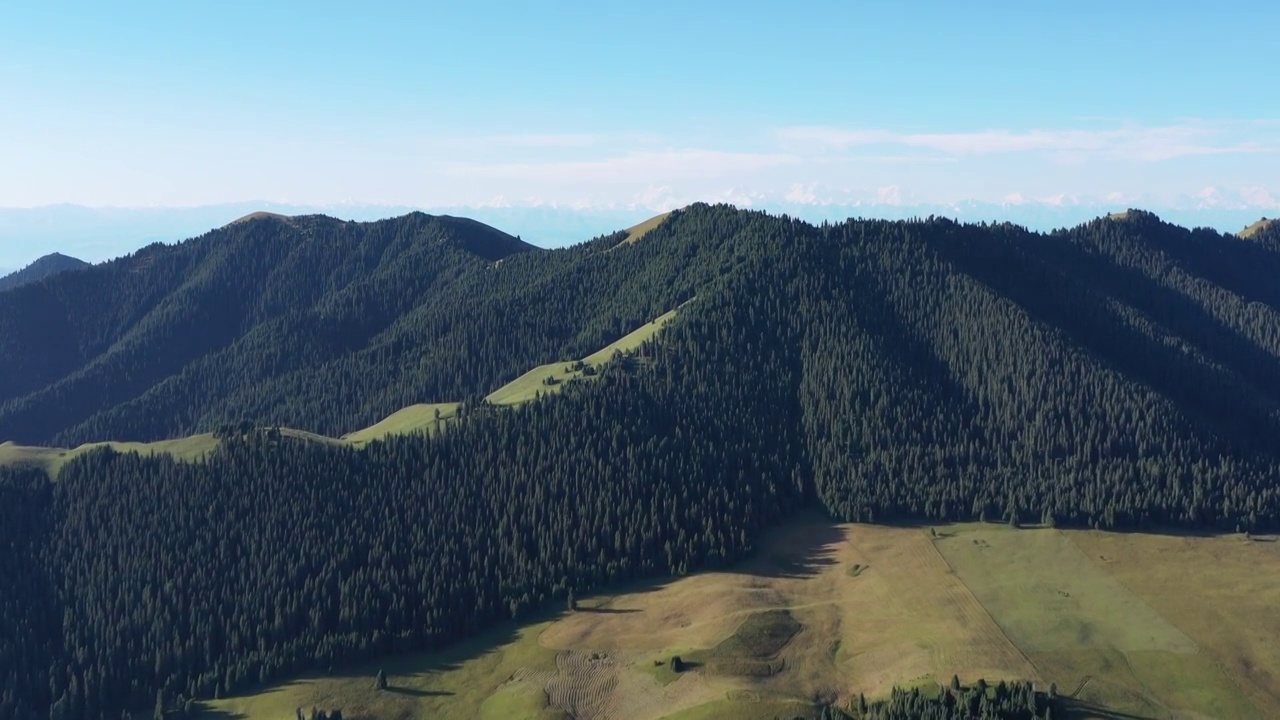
(42, 268)
(1121, 374)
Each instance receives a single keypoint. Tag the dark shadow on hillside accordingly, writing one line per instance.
(801, 547)
(1064, 286)
(945, 529)
(416, 665)
(207, 713)
(1074, 709)
(1244, 267)
(797, 550)
(414, 692)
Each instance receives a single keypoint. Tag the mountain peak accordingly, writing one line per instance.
(50, 264)
(259, 215)
(1258, 228)
(480, 239)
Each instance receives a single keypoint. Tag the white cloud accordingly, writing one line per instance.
(1129, 142)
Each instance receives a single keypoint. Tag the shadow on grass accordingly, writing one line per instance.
(410, 671)
(801, 549)
(414, 692)
(208, 713)
(1074, 709)
(946, 528)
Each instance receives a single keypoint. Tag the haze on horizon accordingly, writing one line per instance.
(622, 109)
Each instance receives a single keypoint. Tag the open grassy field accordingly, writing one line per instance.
(1067, 599)
(1256, 228)
(1131, 626)
(51, 460)
(413, 419)
(639, 230)
(551, 378)
(1222, 592)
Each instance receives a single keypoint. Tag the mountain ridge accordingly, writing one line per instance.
(46, 266)
(1118, 375)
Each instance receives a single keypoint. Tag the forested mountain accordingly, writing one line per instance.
(309, 322)
(51, 264)
(1120, 374)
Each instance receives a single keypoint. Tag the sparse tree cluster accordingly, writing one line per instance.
(1004, 701)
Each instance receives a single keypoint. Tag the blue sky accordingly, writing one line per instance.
(646, 105)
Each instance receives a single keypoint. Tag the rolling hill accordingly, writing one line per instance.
(1095, 614)
(1119, 375)
(44, 267)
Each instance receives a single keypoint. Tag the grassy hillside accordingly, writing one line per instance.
(1256, 228)
(876, 606)
(51, 460)
(551, 378)
(423, 417)
(637, 232)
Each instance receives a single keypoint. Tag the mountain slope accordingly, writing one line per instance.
(1121, 374)
(254, 300)
(44, 267)
(317, 324)
(1256, 228)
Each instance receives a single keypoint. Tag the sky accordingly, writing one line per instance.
(599, 105)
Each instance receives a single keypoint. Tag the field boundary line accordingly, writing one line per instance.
(1244, 692)
(991, 618)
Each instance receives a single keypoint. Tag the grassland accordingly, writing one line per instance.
(425, 417)
(1080, 623)
(1145, 626)
(1256, 228)
(638, 231)
(51, 460)
(551, 378)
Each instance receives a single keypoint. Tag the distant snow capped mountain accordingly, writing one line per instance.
(97, 234)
